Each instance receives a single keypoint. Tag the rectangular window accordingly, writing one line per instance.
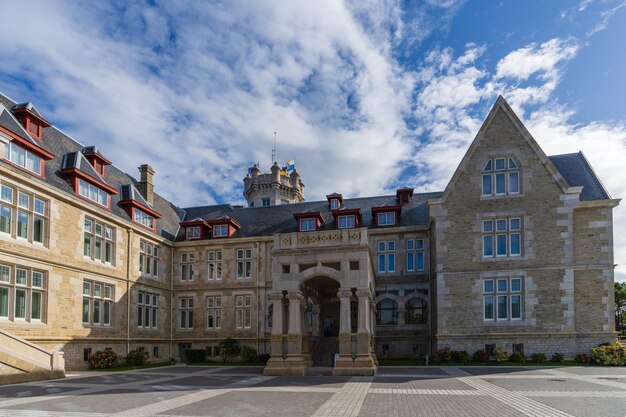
(193, 232)
(506, 294)
(243, 311)
(414, 255)
(386, 218)
(334, 204)
(214, 312)
(265, 202)
(386, 257)
(506, 179)
(21, 157)
(214, 265)
(97, 303)
(187, 261)
(147, 310)
(186, 312)
(346, 222)
(307, 225)
(143, 218)
(4, 302)
(148, 258)
(5, 219)
(503, 240)
(93, 193)
(220, 230)
(22, 296)
(20, 304)
(487, 186)
(22, 224)
(98, 241)
(244, 263)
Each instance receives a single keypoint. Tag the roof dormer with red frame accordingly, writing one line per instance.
(386, 215)
(138, 208)
(347, 218)
(96, 159)
(223, 227)
(404, 195)
(86, 182)
(309, 221)
(30, 118)
(24, 149)
(196, 229)
(335, 201)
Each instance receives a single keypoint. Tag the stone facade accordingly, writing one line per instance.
(398, 289)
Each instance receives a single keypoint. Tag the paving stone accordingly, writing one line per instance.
(410, 370)
(584, 407)
(306, 381)
(419, 383)
(550, 384)
(110, 379)
(248, 370)
(487, 370)
(21, 391)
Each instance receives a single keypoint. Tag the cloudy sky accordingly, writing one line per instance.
(367, 95)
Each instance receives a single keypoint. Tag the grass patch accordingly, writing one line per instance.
(227, 363)
(133, 367)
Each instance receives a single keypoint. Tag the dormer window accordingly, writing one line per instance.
(501, 176)
(193, 232)
(346, 221)
(30, 119)
(23, 158)
(93, 193)
(95, 158)
(334, 203)
(386, 218)
(307, 225)
(34, 128)
(220, 230)
(143, 218)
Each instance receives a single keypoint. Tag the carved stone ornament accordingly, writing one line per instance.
(276, 296)
(363, 293)
(297, 295)
(344, 293)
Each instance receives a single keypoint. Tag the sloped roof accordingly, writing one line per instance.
(576, 170)
(265, 221)
(77, 160)
(60, 144)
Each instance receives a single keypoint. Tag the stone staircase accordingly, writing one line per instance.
(22, 361)
(324, 350)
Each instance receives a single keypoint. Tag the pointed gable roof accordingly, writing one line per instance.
(502, 106)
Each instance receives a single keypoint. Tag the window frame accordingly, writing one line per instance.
(243, 311)
(213, 312)
(27, 155)
(346, 219)
(501, 288)
(243, 263)
(103, 302)
(498, 241)
(386, 256)
(149, 257)
(214, 265)
(492, 172)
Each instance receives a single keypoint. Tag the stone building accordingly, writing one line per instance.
(516, 252)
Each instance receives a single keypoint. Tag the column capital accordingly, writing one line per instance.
(344, 293)
(363, 293)
(275, 296)
(295, 295)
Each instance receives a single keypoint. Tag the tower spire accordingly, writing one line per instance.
(274, 150)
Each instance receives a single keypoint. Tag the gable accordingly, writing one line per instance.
(502, 133)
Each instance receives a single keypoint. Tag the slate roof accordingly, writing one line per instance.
(265, 221)
(576, 170)
(60, 144)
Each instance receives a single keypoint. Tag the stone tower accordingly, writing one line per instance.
(272, 188)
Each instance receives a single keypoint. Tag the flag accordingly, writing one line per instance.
(289, 166)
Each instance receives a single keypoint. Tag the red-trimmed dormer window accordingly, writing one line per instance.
(144, 218)
(32, 122)
(196, 229)
(404, 195)
(223, 227)
(334, 201)
(141, 214)
(95, 158)
(347, 218)
(90, 188)
(309, 221)
(386, 215)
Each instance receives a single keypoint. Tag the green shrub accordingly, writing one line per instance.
(460, 356)
(104, 359)
(538, 357)
(480, 356)
(228, 348)
(195, 355)
(248, 354)
(137, 357)
(500, 355)
(557, 357)
(583, 358)
(517, 357)
(263, 357)
(613, 354)
(443, 355)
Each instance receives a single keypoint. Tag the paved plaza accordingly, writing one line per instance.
(395, 391)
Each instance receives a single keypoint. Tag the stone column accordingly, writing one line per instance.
(294, 362)
(364, 360)
(276, 361)
(343, 365)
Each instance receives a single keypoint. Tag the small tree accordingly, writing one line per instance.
(620, 306)
(228, 348)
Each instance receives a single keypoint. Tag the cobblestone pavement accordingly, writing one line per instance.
(395, 391)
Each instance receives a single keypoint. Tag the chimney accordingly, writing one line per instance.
(145, 183)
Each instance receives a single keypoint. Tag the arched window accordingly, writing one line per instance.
(270, 315)
(416, 311)
(387, 312)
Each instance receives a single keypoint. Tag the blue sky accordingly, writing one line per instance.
(368, 95)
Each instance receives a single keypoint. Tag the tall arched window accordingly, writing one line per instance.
(416, 311)
(387, 312)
